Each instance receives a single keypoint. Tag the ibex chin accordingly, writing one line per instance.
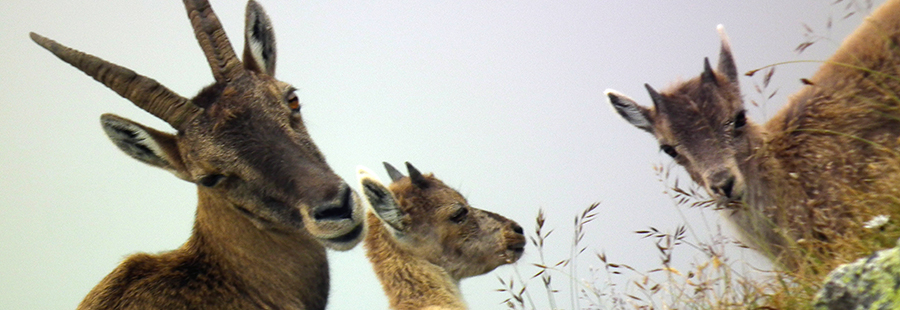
(268, 204)
(424, 238)
(830, 152)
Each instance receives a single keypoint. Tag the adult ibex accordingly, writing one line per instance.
(424, 238)
(831, 152)
(268, 204)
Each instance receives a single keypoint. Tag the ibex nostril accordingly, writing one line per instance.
(728, 187)
(340, 209)
(723, 184)
(517, 229)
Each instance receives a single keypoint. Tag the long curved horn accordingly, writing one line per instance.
(221, 57)
(144, 92)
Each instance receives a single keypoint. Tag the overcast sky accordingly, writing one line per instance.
(500, 99)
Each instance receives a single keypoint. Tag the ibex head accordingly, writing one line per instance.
(430, 220)
(241, 140)
(701, 123)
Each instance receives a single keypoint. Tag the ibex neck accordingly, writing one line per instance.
(409, 282)
(773, 194)
(283, 268)
(761, 171)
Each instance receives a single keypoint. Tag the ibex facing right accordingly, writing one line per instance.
(802, 174)
(268, 203)
(424, 238)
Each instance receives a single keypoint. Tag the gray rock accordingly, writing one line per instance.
(868, 283)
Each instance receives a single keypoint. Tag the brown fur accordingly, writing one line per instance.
(421, 258)
(268, 204)
(226, 264)
(818, 168)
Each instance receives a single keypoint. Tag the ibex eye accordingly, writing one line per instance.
(460, 215)
(293, 102)
(668, 149)
(211, 180)
(740, 120)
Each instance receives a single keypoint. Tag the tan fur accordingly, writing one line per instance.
(410, 282)
(268, 204)
(421, 264)
(818, 168)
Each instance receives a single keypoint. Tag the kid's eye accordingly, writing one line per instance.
(668, 149)
(460, 215)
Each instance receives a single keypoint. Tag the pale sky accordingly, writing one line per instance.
(501, 99)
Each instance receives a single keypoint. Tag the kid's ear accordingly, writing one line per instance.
(380, 198)
(145, 144)
(629, 110)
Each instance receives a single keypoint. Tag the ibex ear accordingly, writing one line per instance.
(380, 199)
(145, 144)
(259, 40)
(633, 113)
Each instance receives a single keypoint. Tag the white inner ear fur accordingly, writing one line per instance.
(256, 49)
(114, 129)
(257, 17)
(380, 200)
(628, 109)
(136, 141)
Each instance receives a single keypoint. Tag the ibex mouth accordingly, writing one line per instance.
(349, 236)
(346, 241)
(515, 251)
(518, 247)
(734, 196)
(338, 224)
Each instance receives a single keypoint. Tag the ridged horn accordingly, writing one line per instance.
(212, 39)
(144, 92)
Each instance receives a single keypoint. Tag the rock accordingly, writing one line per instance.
(868, 283)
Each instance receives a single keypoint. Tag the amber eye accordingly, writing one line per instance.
(460, 215)
(669, 150)
(211, 180)
(293, 102)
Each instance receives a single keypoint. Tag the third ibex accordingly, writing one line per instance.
(805, 173)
